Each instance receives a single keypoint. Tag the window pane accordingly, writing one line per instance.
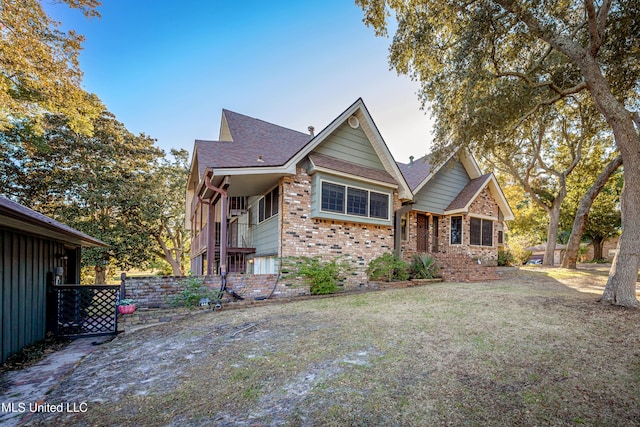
(261, 210)
(487, 233)
(456, 230)
(267, 206)
(378, 205)
(332, 197)
(356, 201)
(475, 231)
(276, 201)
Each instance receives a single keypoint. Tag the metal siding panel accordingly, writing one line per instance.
(28, 282)
(4, 295)
(15, 293)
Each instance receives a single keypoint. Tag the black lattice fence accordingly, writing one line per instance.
(86, 310)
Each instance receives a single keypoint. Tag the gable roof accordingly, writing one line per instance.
(462, 202)
(255, 145)
(16, 216)
(416, 171)
(420, 172)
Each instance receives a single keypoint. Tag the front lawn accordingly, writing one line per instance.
(526, 350)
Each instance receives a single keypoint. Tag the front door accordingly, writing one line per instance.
(423, 232)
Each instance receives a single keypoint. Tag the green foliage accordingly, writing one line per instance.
(322, 276)
(193, 291)
(102, 185)
(388, 268)
(505, 258)
(424, 266)
(517, 248)
(40, 72)
(166, 219)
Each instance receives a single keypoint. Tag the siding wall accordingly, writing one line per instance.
(265, 234)
(25, 262)
(442, 189)
(352, 145)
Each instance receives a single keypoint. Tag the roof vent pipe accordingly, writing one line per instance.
(311, 130)
(410, 160)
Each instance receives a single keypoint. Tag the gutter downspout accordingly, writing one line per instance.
(397, 234)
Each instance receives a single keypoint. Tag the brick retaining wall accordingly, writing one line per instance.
(157, 291)
(458, 267)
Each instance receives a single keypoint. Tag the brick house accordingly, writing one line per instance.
(263, 192)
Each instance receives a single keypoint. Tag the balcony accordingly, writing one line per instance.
(238, 238)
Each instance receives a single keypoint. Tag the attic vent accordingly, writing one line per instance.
(354, 122)
(260, 160)
(311, 130)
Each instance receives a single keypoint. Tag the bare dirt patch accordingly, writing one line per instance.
(525, 350)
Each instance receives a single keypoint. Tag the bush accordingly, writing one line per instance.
(193, 292)
(517, 246)
(505, 258)
(323, 277)
(388, 268)
(424, 266)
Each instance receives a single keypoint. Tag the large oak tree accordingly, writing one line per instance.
(486, 66)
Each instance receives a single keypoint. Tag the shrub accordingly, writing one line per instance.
(517, 246)
(193, 292)
(322, 276)
(388, 268)
(424, 266)
(505, 258)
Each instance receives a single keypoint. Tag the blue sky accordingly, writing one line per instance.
(168, 68)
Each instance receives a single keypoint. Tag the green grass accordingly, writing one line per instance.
(527, 350)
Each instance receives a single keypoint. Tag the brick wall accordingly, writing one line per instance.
(157, 291)
(357, 243)
(457, 267)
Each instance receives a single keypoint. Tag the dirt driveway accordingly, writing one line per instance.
(526, 350)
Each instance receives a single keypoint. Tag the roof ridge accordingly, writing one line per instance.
(224, 110)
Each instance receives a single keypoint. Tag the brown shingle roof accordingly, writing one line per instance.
(415, 172)
(468, 192)
(324, 161)
(15, 215)
(253, 140)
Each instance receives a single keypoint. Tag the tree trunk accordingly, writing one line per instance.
(621, 286)
(174, 262)
(570, 258)
(552, 231)
(101, 274)
(597, 242)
